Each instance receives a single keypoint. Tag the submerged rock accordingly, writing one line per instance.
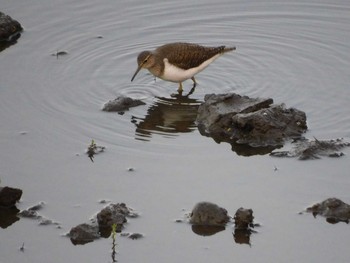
(32, 212)
(208, 214)
(334, 209)
(9, 196)
(305, 149)
(242, 120)
(122, 103)
(132, 236)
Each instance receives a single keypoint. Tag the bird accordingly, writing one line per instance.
(179, 61)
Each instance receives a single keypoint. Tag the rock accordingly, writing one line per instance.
(9, 31)
(248, 121)
(107, 217)
(9, 196)
(334, 209)
(243, 225)
(122, 103)
(243, 218)
(8, 27)
(104, 220)
(32, 212)
(84, 233)
(114, 214)
(209, 214)
(305, 149)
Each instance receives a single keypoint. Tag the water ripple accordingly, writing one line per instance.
(293, 52)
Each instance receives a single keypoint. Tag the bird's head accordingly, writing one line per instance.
(144, 60)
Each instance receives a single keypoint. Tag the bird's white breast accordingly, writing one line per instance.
(175, 74)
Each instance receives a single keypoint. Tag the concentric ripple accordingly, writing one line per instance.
(296, 53)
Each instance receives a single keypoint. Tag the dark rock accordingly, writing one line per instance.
(84, 233)
(9, 196)
(8, 27)
(122, 103)
(248, 121)
(209, 214)
(334, 209)
(9, 31)
(305, 149)
(243, 225)
(114, 214)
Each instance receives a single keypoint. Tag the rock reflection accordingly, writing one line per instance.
(168, 116)
(8, 216)
(242, 236)
(203, 230)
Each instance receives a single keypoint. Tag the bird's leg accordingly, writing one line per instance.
(194, 82)
(180, 89)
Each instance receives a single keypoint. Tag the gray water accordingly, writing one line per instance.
(296, 52)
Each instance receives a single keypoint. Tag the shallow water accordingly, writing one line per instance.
(298, 53)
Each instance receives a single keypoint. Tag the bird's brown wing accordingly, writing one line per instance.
(186, 55)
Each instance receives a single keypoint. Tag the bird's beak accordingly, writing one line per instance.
(137, 71)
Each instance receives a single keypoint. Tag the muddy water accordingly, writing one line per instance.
(298, 53)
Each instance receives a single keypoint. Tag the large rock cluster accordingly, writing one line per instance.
(242, 120)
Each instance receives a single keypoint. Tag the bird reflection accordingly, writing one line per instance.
(168, 116)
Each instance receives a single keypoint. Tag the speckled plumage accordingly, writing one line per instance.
(177, 62)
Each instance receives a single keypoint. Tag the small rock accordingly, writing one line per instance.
(243, 218)
(206, 213)
(122, 103)
(84, 233)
